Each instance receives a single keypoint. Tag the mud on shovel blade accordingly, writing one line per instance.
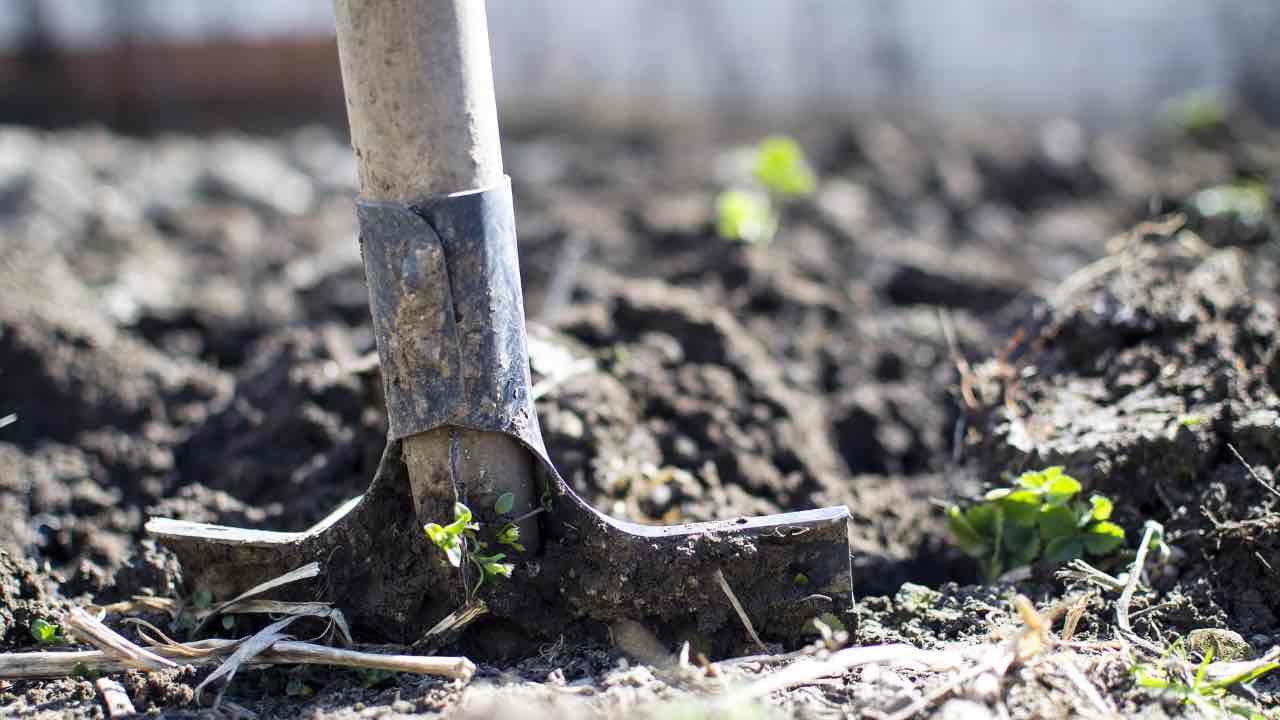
(448, 319)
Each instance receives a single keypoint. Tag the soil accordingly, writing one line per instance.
(185, 333)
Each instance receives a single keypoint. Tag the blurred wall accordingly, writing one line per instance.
(620, 62)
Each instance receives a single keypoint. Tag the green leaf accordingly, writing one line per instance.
(44, 632)
(453, 552)
(461, 519)
(983, 519)
(1021, 544)
(1103, 538)
(1102, 507)
(1061, 488)
(438, 535)
(1032, 479)
(1056, 521)
(966, 538)
(1064, 549)
(1021, 507)
(780, 166)
(506, 501)
(203, 600)
(1151, 677)
(498, 569)
(746, 216)
(449, 542)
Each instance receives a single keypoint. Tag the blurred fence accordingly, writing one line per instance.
(156, 63)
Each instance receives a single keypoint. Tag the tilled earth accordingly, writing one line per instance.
(184, 332)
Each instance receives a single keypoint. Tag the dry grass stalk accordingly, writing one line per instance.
(737, 607)
(100, 636)
(246, 651)
(309, 570)
(39, 665)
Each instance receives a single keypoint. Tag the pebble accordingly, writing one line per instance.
(959, 709)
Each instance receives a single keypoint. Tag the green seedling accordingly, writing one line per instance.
(509, 534)
(46, 633)
(1039, 517)
(779, 172)
(459, 540)
(780, 166)
(451, 538)
(1245, 201)
(1209, 697)
(1199, 112)
(745, 215)
(375, 677)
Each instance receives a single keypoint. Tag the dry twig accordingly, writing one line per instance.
(737, 606)
(100, 636)
(114, 698)
(1253, 473)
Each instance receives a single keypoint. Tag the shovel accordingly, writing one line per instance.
(439, 249)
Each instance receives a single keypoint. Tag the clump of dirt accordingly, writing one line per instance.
(1146, 381)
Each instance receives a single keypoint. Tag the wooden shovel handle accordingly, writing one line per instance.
(420, 101)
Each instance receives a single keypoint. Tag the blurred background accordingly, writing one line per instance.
(147, 65)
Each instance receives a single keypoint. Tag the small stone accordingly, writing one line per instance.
(1225, 644)
(959, 709)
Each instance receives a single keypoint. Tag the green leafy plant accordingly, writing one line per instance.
(1039, 517)
(778, 172)
(460, 540)
(46, 633)
(1210, 697)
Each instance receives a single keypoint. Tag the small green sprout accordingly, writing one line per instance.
(458, 540)
(1190, 420)
(831, 621)
(745, 215)
(449, 538)
(375, 677)
(1038, 517)
(46, 633)
(779, 172)
(298, 689)
(1245, 201)
(780, 166)
(203, 600)
(1210, 697)
(510, 535)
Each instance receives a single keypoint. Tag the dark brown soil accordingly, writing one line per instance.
(184, 322)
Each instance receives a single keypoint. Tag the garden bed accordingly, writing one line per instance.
(185, 333)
